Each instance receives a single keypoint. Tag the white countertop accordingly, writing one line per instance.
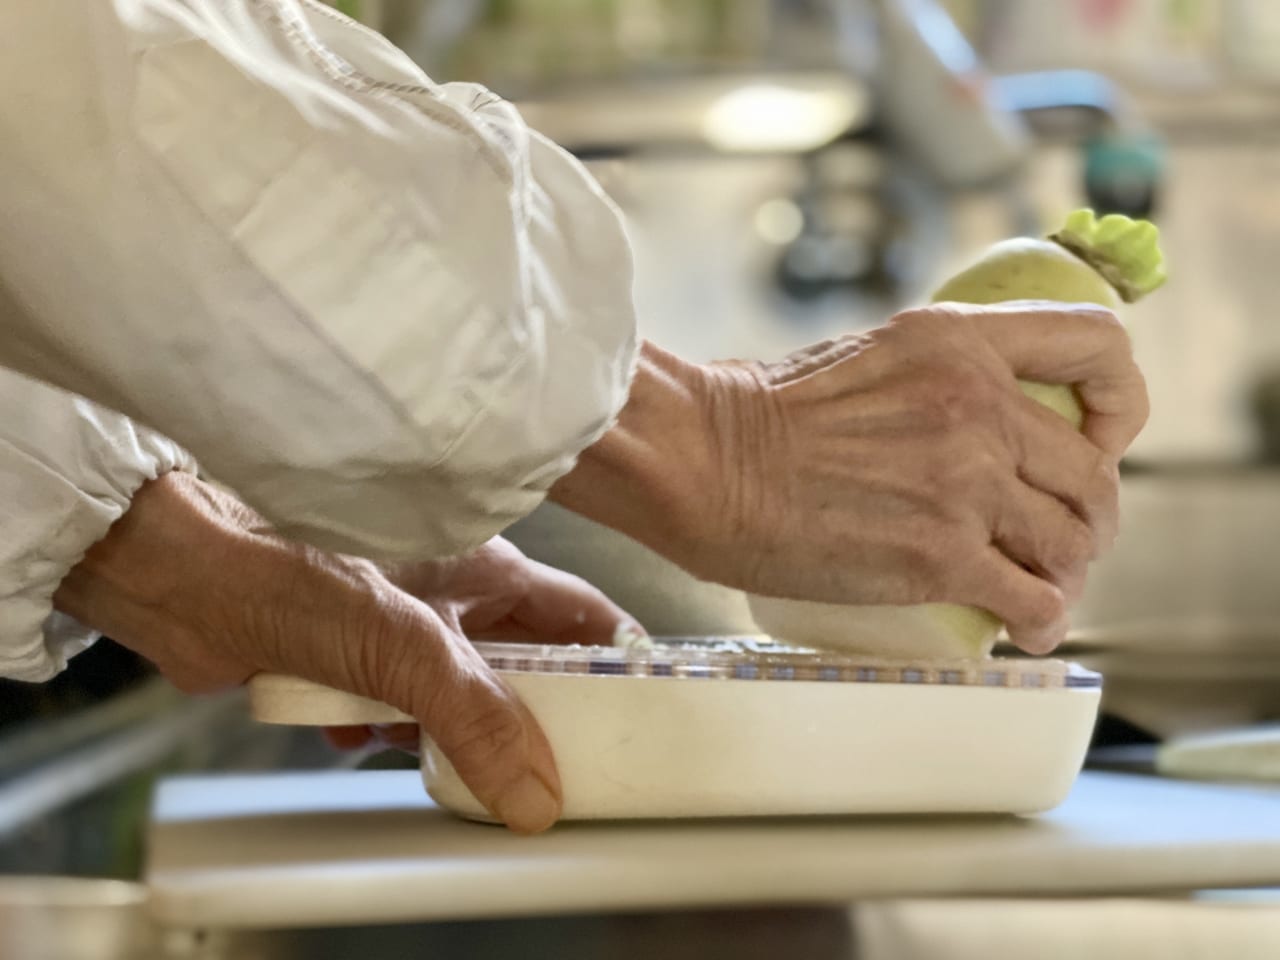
(341, 848)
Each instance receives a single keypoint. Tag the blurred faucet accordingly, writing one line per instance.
(935, 101)
(946, 124)
(942, 107)
(930, 95)
(828, 82)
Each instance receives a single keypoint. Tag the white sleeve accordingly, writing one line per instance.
(68, 469)
(381, 309)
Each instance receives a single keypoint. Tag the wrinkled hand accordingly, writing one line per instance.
(897, 467)
(906, 465)
(496, 592)
(200, 585)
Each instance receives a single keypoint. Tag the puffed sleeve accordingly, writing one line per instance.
(382, 310)
(68, 470)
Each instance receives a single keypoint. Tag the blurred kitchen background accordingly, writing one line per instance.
(797, 169)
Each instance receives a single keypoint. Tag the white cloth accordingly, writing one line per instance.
(382, 310)
(68, 469)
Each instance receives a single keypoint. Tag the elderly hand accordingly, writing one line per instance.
(197, 583)
(901, 466)
(496, 592)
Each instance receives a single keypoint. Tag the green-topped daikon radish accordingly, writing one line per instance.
(1109, 261)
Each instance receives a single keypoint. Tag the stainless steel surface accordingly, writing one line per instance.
(1241, 925)
(1107, 929)
(67, 777)
(817, 933)
(74, 790)
(58, 918)
(36, 742)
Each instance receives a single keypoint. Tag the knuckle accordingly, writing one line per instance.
(1141, 399)
(1106, 326)
(946, 553)
(1117, 336)
(1103, 486)
(1114, 340)
(1071, 550)
(1103, 471)
(1108, 319)
(926, 548)
(932, 576)
(966, 475)
(933, 329)
(970, 480)
(1045, 610)
(930, 546)
(375, 659)
(957, 395)
(923, 319)
(1097, 496)
(1073, 588)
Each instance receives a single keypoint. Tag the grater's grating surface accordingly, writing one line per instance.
(759, 659)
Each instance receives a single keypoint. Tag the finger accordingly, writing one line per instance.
(1055, 458)
(1040, 533)
(404, 654)
(494, 744)
(561, 608)
(1034, 611)
(1079, 344)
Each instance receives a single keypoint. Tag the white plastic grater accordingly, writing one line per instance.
(746, 727)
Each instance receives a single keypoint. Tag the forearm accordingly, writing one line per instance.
(200, 585)
(665, 475)
(636, 478)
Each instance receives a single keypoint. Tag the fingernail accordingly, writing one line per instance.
(528, 805)
(632, 636)
(1044, 642)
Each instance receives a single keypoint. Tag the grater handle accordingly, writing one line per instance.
(279, 699)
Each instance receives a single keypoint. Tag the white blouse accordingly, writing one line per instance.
(382, 310)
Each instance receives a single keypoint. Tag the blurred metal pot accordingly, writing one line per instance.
(1174, 677)
(65, 918)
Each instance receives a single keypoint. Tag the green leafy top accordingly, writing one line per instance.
(1126, 252)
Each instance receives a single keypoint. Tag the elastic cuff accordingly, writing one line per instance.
(36, 641)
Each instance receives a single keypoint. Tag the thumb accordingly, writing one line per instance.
(398, 650)
(194, 580)
(493, 742)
